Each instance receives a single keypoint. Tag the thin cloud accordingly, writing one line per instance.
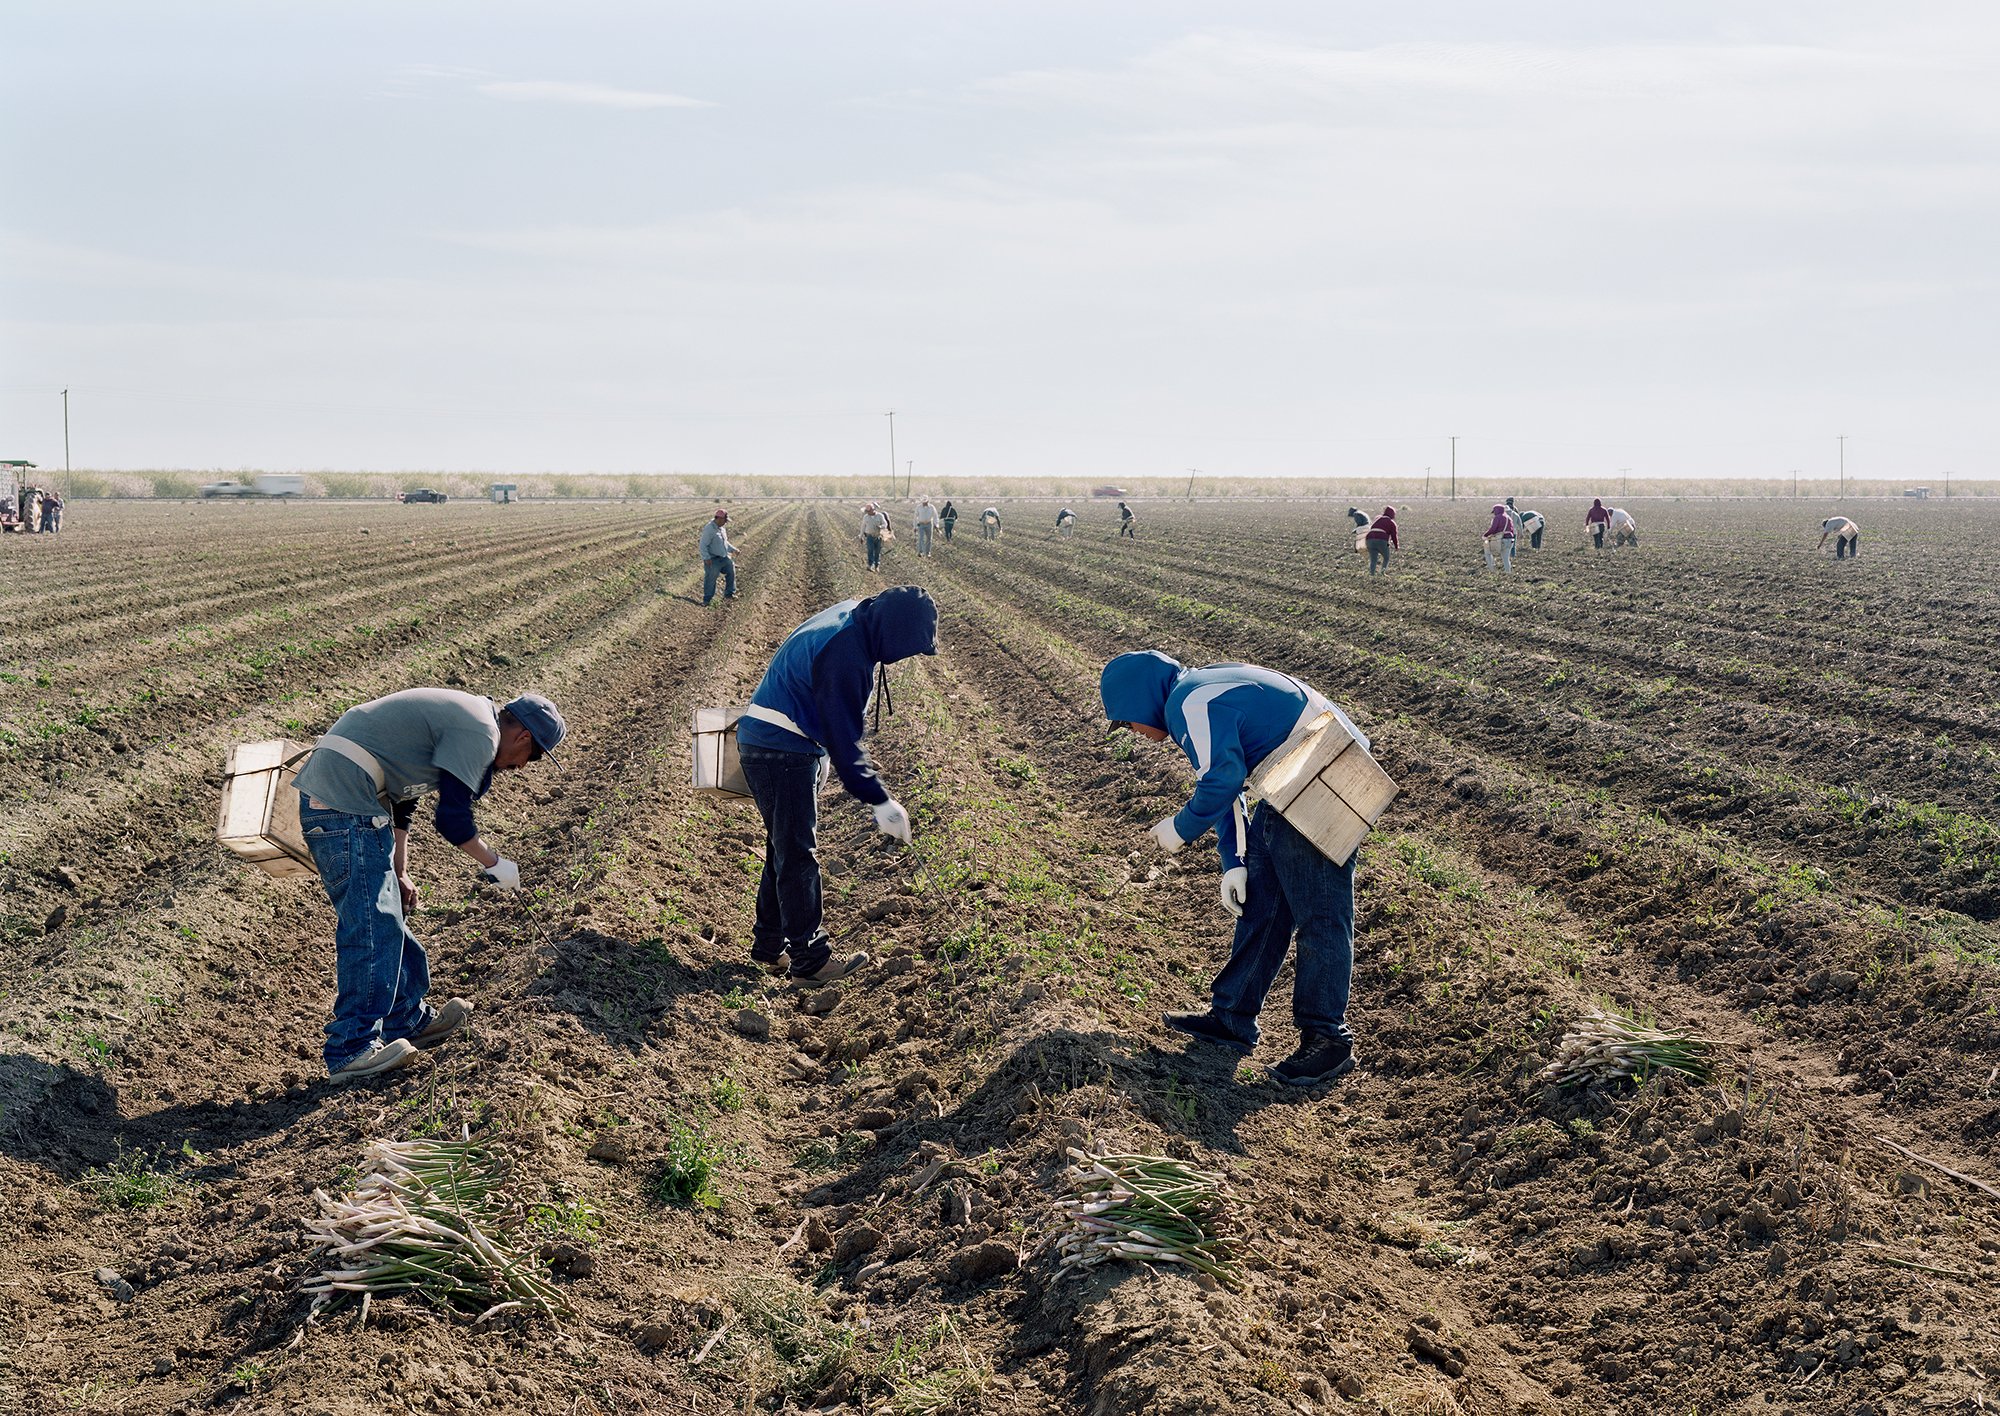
(594, 95)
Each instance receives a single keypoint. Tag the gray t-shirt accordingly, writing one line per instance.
(415, 735)
(715, 541)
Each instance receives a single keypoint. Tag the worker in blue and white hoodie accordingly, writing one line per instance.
(811, 708)
(1228, 718)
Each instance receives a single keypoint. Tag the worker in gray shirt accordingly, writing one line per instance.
(359, 791)
(718, 557)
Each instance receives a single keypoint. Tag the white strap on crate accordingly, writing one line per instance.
(775, 719)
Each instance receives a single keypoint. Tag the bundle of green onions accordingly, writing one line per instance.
(430, 1217)
(1147, 1207)
(1605, 1048)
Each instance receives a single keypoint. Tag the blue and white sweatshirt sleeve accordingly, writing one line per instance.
(1211, 734)
(842, 677)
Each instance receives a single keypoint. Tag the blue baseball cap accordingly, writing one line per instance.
(539, 716)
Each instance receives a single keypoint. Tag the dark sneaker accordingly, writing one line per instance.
(1206, 1027)
(1318, 1061)
(833, 968)
(447, 1020)
(382, 1057)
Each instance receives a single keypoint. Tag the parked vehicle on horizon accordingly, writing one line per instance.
(1107, 491)
(421, 494)
(267, 485)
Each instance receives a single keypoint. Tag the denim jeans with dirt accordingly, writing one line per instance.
(1294, 892)
(712, 567)
(380, 970)
(785, 786)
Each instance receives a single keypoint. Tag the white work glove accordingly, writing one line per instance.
(504, 873)
(1169, 839)
(1236, 890)
(892, 820)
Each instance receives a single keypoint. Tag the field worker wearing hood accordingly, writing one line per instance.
(718, 557)
(1847, 537)
(926, 521)
(1530, 524)
(874, 531)
(989, 523)
(947, 517)
(810, 707)
(1228, 718)
(1380, 538)
(1501, 534)
(1595, 520)
(358, 793)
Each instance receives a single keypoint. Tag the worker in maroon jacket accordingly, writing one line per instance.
(1381, 537)
(1596, 520)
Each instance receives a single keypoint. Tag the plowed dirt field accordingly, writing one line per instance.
(1722, 782)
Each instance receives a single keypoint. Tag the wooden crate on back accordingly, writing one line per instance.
(259, 821)
(1328, 787)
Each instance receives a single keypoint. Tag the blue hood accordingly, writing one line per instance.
(1135, 688)
(899, 623)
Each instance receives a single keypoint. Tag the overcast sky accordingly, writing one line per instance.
(1055, 237)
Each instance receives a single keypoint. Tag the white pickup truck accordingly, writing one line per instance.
(265, 486)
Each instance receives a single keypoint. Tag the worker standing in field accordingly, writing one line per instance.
(1530, 524)
(1596, 520)
(1501, 533)
(811, 707)
(358, 793)
(925, 521)
(718, 558)
(1624, 530)
(874, 531)
(989, 523)
(948, 518)
(1125, 523)
(1380, 539)
(1065, 522)
(1228, 718)
(1846, 537)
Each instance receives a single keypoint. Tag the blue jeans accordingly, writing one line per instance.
(725, 566)
(381, 973)
(785, 786)
(1293, 889)
(1506, 548)
(923, 538)
(874, 551)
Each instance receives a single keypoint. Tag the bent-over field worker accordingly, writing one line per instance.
(1530, 524)
(718, 557)
(1624, 530)
(989, 523)
(1380, 537)
(1228, 718)
(1501, 534)
(1846, 537)
(1596, 520)
(1125, 520)
(810, 707)
(1065, 521)
(359, 792)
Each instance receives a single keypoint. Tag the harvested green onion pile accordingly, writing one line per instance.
(1605, 1048)
(1146, 1207)
(430, 1217)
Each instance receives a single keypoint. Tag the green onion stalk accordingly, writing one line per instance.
(1146, 1207)
(1604, 1048)
(431, 1217)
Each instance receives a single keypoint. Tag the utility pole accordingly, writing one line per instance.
(1843, 466)
(1454, 468)
(892, 452)
(1947, 484)
(1192, 473)
(1625, 483)
(1427, 484)
(909, 474)
(65, 437)
(1795, 484)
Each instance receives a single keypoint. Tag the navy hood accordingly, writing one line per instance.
(899, 623)
(1135, 688)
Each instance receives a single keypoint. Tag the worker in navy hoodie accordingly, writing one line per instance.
(1228, 718)
(810, 709)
